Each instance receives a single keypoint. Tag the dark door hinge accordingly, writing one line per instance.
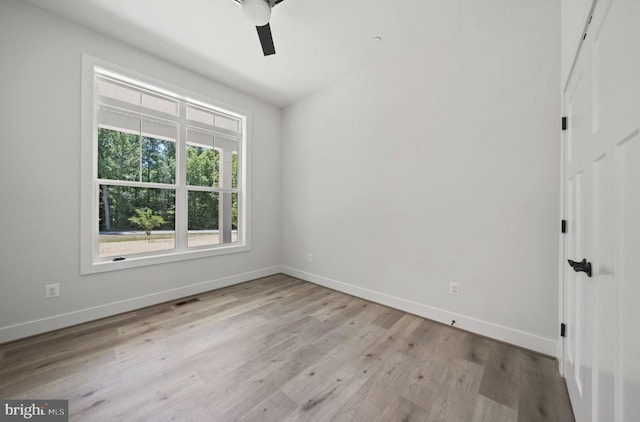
(563, 330)
(563, 226)
(564, 123)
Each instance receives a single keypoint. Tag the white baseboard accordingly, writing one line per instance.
(509, 335)
(30, 328)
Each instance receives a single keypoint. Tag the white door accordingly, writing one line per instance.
(578, 206)
(601, 354)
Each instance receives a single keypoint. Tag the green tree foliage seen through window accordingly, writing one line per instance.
(123, 202)
(203, 169)
(146, 220)
(131, 157)
(203, 166)
(127, 156)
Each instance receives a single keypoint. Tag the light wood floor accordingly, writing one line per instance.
(281, 349)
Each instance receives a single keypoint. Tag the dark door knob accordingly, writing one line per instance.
(583, 266)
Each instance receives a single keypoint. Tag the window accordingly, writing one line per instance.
(163, 171)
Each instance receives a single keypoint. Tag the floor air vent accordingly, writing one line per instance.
(186, 301)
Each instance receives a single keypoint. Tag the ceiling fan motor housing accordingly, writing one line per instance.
(258, 12)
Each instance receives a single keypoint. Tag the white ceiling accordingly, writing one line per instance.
(316, 41)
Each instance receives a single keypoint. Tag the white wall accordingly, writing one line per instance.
(40, 181)
(438, 166)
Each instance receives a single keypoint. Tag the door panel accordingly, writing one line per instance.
(604, 288)
(570, 277)
(628, 246)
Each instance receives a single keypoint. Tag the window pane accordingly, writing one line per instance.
(203, 218)
(159, 103)
(159, 129)
(199, 115)
(226, 123)
(212, 118)
(234, 170)
(118, 92)
(158, 161)
(203, 166)
(118, 155)
(135, 220)
(234, 217)
(200, 137)
(122, 157)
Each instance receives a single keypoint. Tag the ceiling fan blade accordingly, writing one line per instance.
(264, 33)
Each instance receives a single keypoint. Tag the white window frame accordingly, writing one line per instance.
(90, 262)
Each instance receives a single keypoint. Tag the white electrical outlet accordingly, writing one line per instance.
(310, 258)
(52, 290)
(454, 288)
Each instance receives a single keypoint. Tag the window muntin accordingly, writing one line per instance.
(160, 152)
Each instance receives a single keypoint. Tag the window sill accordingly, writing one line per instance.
(108, 264)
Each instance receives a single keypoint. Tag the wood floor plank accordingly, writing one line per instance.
(475, 348)
(398, 336)
(424, 383)
(279, 348)
(461, 344)
(77, 387)
(363, 320)
(237, 361)
(541, 392)
(422, 341)
(293, 302)
(65, 345)
(500, 381)
(274, 408)
(158, 396)
(337, 311)
(401, 409)
(372, 399)
(13, 383)
(247, 386)
(388, 317)
(32, 345)
(350, 356)
(487, 410)
(330, 395)
(456, 398)
(191, 341)
(144, 321)
(200, 415)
